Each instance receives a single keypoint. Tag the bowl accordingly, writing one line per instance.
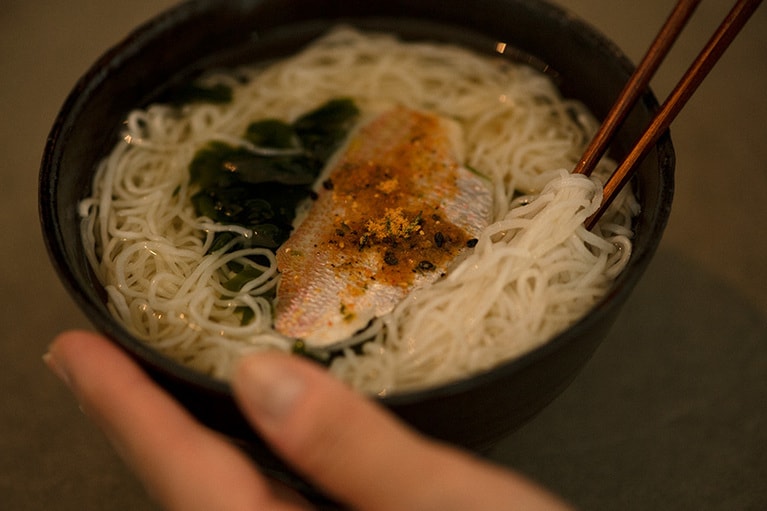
(473, 413)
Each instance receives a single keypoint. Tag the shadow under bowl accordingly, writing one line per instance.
(176, 46)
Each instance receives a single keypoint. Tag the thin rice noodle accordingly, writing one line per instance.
(534, 271)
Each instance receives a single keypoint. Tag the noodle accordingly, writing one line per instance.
(534, 271)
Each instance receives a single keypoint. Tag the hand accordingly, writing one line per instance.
(347, 445)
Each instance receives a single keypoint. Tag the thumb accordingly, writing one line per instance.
(360, 454)
(335, 437)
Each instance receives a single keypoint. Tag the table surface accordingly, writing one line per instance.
(669, 414)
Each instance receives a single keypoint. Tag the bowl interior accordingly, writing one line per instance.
(201, 34)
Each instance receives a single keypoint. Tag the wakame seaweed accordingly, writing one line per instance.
(260, 189)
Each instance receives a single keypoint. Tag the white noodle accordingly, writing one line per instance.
(534, 271)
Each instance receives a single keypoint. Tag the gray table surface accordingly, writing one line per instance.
(669, 414)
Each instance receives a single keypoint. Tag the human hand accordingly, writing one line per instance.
(347, 445)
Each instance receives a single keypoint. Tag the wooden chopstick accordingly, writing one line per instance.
(684, 89)
(636, 85)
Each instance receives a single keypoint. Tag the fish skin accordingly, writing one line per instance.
(397, 208)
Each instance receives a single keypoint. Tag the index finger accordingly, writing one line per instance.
(183, 464)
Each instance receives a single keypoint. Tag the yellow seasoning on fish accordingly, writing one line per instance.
(396, 207)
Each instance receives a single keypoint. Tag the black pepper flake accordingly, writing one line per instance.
(390, 258)
(327, 184)
(439, 239)
(313, 195)
(425, 265)
(472, 243)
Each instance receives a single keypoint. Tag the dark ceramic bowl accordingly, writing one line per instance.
(175, 46)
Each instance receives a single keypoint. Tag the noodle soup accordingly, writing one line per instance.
(533, 271)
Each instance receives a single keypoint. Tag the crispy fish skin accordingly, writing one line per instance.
(396, 209)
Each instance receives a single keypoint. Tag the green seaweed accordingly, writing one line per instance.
(260, 189)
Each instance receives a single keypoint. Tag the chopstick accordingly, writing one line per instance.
(636, 84)
(684, 89)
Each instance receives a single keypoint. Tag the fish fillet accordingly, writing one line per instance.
(395, 209)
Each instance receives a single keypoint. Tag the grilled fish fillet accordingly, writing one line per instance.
(396, 208)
